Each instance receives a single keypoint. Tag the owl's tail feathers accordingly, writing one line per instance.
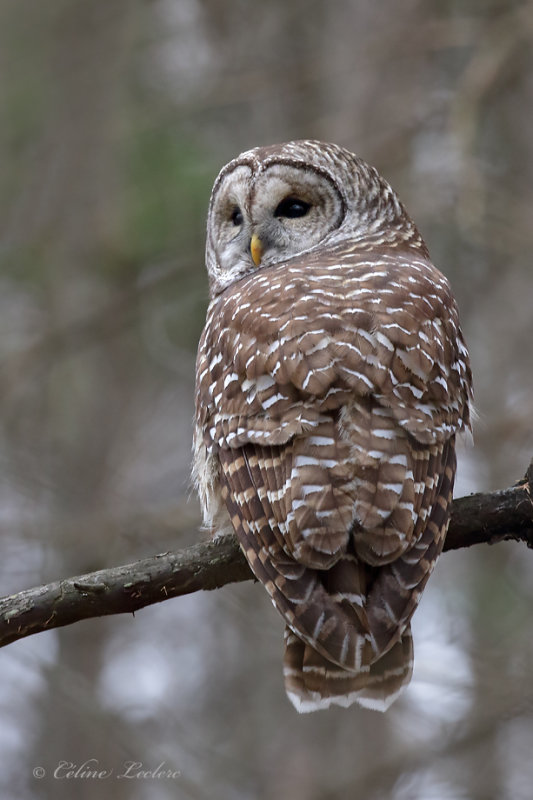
(312, 682)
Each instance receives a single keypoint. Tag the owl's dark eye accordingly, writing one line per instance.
(236, 216)
(292, 208)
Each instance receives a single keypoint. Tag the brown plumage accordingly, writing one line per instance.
(332, 379)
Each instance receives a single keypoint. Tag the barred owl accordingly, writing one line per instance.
(332, 379)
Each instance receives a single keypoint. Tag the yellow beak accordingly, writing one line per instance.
(256, 249)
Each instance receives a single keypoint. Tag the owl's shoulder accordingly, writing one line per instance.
(333, 289)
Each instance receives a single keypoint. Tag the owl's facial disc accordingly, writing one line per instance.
(270, 216)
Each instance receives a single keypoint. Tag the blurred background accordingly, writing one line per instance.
(114, 121)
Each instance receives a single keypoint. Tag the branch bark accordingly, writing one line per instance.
(480, 518)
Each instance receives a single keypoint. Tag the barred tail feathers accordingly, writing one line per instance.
(313, 683)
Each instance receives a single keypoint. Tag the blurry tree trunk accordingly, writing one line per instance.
(68, 202)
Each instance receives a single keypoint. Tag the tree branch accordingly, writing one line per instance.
(488, 518)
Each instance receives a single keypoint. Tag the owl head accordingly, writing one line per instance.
(271, 204)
